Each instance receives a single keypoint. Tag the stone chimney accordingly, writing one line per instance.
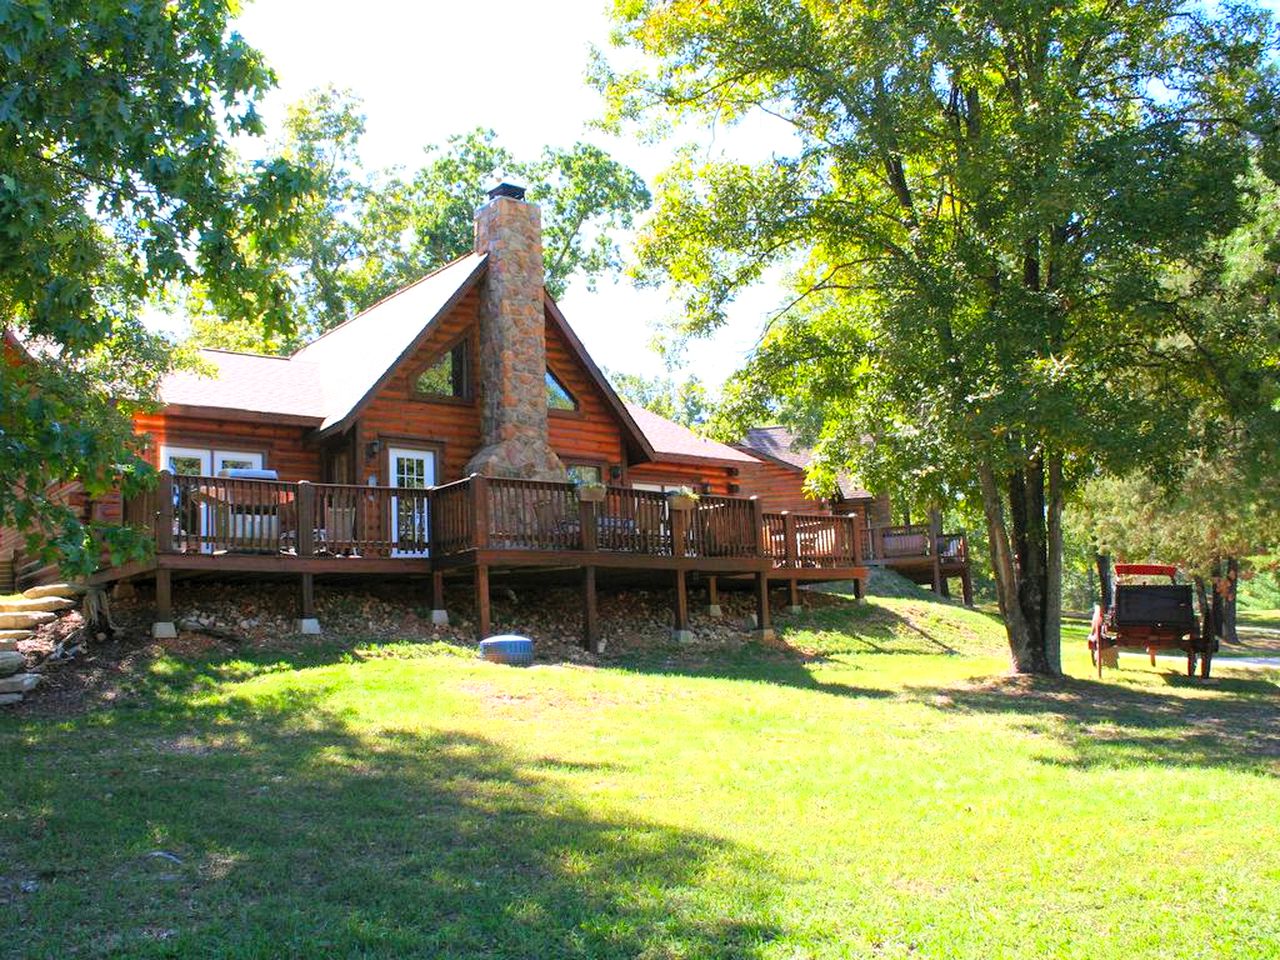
(513, 350)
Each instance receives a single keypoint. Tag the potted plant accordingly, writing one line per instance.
(592, 491)
(682, 499)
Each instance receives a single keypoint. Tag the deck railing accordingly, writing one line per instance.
(810, 540)
(452, 518)
(913, 542)
(214, 515)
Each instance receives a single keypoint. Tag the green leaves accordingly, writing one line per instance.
(991, 199)
(359, 237)
(118, 183)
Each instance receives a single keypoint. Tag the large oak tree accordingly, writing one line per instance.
(988, 197)
(117, 182)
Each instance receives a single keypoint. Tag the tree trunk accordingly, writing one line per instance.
(1053, 567)
(1230, 583)
(1019, 559)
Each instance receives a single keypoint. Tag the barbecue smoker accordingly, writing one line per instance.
(1150, 609)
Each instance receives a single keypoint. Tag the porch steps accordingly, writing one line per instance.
(20, 617)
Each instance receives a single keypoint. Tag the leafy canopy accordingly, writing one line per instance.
(365, 235)
(116, 181)
(687, 402)
(988, 199)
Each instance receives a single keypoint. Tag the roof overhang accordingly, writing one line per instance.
(242, 416)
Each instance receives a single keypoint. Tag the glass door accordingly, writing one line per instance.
(416, 470)
(190, 516)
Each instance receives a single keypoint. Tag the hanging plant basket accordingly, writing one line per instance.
(592, 492)
(682, 499)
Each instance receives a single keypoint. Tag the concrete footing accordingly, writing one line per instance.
(307, 625)
(440, 618)
(764, 636)
(714, 610)
(682, 636)
(795, 610)
(164, 630)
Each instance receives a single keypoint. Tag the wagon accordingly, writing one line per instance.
(1150, 610)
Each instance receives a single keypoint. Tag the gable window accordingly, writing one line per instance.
(447, 377)
(558, 395)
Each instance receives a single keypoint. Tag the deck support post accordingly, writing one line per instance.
(681, 633)
(306, 504)
(164, 514)
(764, 625)
(859, 589)
(439, 613)
(307, 622)
(713, 597)
(163, 628)
(482, 601)
(590, 611)
(966, 585)
(793, 598)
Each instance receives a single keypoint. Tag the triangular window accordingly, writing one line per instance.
(558, 395)
(447, 377)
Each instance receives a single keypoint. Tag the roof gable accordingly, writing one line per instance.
(357, 357)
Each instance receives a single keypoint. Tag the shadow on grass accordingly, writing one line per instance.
(852, 628)
(271, 827)
(753, 663)
(1226, 722)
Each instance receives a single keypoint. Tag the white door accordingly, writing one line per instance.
(410, 469)
(186, 461)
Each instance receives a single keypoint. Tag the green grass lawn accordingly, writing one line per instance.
(881, 797)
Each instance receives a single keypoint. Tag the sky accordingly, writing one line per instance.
(426, 70)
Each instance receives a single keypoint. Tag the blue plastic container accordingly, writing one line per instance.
(510, 649)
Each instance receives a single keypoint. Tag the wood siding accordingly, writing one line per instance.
(779, 487)
(689, 475)
(398, 416)
(591, 434)
(285, 448)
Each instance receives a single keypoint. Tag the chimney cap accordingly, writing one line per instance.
(507, 190)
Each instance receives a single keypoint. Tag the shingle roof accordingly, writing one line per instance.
(325, 380)
(779, 443)
(670, 439)
(352, 358)
(251, 382)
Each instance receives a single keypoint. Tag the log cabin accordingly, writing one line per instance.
(454, 430)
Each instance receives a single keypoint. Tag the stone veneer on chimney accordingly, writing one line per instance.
(513, 350)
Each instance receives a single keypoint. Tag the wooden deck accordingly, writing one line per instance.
(471, 528)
